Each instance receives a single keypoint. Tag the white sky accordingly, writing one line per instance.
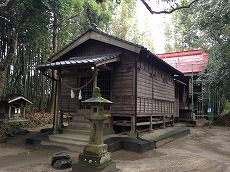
(155, 22)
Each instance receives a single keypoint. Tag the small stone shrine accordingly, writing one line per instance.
(95, 156)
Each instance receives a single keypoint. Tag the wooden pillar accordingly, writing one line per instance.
(173, 120)
(24, 112)
(9, 113)
(57, 100)
(163, 122)
(151, 123)
(133, 126)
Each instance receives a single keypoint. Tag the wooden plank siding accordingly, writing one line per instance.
(122, 82)
(155, 85)
(122, 86)
(68, 104)
(90, 47)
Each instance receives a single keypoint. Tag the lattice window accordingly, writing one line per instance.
(86, 91)
(104, 83)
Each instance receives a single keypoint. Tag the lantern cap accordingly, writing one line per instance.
(96, 99)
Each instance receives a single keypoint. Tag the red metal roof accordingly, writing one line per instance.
(188, 62)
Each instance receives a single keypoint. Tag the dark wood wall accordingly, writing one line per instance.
(68, 104)
(122, 87)
(121, 82)
(155, 89)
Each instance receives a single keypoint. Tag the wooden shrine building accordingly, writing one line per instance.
(191, 96)
(13, 106)
(140, 85)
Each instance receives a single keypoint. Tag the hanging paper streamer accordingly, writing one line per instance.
(72, 94)
(79, 96)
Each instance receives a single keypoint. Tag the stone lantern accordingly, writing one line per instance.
(95, 156)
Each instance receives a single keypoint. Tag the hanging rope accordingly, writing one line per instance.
(79, 88)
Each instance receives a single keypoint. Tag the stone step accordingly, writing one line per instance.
(67, 138)
(116, 142)
(74, 131)
(170, 136)
(79, 125)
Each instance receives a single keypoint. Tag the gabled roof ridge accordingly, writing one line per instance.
(96, 31)
(14, 97)
(181, 53)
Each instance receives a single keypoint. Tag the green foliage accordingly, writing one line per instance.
(206, 26)
(226, 108)
(39, 119)
(33, 21)
(183, 33)
(93, 7)
(224, 119)
(95, 12)
(124, 20)
(37, 23)
(218, 74)
(34, 120)
(10, 128)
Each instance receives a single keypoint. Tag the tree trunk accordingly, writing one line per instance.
(41, 104)
(50, 109)
(5, 63)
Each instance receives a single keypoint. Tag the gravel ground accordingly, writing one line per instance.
(204, 150)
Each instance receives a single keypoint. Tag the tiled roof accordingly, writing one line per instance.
(188, 62)
(74, 61)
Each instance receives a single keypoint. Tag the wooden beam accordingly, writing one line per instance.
(106, 67)
(108, 61)
(115, 42)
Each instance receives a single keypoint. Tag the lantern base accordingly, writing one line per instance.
(94, 163)
(108, 167)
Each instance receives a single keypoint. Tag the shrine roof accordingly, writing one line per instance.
(188, 62)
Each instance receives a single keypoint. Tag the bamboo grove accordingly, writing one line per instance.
(32, 30)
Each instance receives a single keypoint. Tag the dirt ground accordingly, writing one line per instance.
(204, 150)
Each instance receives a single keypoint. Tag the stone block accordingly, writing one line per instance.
(95, 149)
(61, 160)
(94, 161)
